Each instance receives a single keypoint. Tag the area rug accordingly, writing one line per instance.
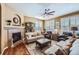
(37, 51)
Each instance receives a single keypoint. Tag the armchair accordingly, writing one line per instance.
(48, 35)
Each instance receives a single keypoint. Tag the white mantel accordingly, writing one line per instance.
(13, 27)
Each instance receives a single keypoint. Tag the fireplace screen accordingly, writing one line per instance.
(16, 36)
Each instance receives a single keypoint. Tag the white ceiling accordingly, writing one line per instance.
(36, 9)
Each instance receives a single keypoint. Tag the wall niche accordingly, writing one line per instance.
(29, 27)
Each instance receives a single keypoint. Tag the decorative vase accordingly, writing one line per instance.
(8, 22)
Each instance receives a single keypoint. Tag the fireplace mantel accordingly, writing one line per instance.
(13, 27)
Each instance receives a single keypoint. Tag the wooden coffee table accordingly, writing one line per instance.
(43, 42)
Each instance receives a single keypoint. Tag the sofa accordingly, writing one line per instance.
(54, 36)
(68, 33)
(63, 48)
(33, 36)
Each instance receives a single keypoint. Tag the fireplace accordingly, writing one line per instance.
(16, 36)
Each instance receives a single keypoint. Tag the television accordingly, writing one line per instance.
(16, 36)
(74, 28)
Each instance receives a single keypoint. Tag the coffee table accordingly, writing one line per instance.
(43, 42)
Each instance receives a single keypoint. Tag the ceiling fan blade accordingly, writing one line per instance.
(52, 12)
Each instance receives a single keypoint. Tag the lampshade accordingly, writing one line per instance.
(56, 30)
(74, 28)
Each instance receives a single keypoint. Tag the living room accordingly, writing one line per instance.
(39, 29)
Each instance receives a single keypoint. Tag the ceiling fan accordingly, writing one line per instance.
(48, 12)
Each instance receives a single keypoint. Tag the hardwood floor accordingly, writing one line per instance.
(20, 49)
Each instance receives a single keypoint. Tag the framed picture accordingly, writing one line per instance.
(17, 20)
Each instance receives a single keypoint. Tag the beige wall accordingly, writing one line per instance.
(7, 14)
(34, 20)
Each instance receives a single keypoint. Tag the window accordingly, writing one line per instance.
(36, 27)
(68, 22)
(49, 25)
(72, 20)
(65, 24)
(77, 20)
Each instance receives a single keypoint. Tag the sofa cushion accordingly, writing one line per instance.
(33, 35)
(40, 36)
(51, 50)
(31, 38)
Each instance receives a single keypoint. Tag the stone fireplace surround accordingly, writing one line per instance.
(10, 31)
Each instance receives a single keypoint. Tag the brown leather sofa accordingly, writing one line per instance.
(55, 37)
